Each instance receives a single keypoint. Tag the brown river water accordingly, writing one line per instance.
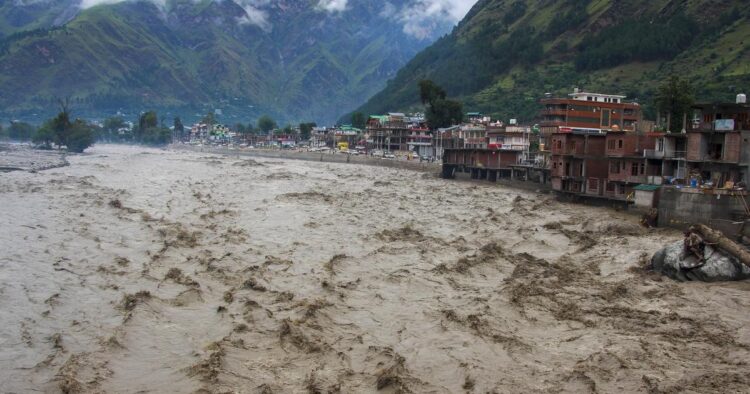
(140, 270)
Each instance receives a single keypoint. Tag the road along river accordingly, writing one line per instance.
(140, 270)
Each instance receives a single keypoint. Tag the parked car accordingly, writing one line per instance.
(389, 156)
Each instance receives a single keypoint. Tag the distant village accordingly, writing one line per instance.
(393, 135)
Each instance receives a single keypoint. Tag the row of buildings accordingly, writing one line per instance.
(599, 146)
(397, 132)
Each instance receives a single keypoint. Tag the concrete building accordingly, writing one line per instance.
(578, 164)
(392, 132)
(717, 144)
(587, 113)
(629, 166)
(474, 136)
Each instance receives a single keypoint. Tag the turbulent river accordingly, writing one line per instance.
(138, 270)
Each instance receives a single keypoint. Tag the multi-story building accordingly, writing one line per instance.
(717, 143)
(420, 142)
(474, 136)
(447, 138)
(512, 137)
(629, 163)
(392, 132)
(589, 112)
(578, 164)
(575, 129)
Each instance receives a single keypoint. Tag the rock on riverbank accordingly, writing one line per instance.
(672, 262)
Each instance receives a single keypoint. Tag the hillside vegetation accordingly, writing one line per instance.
(195, 56)
(507, 53)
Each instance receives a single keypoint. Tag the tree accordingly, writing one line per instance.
(266, 124)
(80, 136)
(305, 129)
(441, 112)
(179, 128)
(445, 113)
(209, 119)
(674, 97)
(359, 120)
(45, 135)
(60, 124)
(429, 92)
(21, 131)
(112, 127)
(147, 120)
(240, 128)
(150, 132)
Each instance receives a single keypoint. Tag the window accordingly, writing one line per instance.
(619, 144)
(589, 98)
(643, 168)
(614, 167)
(593, 184)
(606, 114)
(611, 144)
(634, 168)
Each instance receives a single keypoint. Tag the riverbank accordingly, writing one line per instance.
(414, 165)
(22, 157)
(144, 270)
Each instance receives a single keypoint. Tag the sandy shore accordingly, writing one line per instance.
(138, 270)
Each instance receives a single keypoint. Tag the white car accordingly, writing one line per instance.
(389, 156)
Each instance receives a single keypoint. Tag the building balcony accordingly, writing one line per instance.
(720, 125)
(675, 154)
(627, 178)
(653, 154)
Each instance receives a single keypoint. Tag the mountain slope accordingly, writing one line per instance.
(24, 15)
(301, 63)
(506, 54)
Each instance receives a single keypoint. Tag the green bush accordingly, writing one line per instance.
(80, 136)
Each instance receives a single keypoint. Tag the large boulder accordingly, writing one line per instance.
(674, 263)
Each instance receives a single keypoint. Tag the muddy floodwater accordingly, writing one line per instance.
(139, 270)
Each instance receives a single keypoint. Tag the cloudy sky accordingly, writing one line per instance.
(418, 19)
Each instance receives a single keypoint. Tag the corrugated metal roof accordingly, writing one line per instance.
(648, 188)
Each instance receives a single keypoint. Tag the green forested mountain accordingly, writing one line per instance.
(287, 58)
(506, 54)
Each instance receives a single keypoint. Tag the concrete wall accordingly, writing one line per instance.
(680, 209)
(596, 145)
(732, 145)
(645, 198)
(695, 146)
